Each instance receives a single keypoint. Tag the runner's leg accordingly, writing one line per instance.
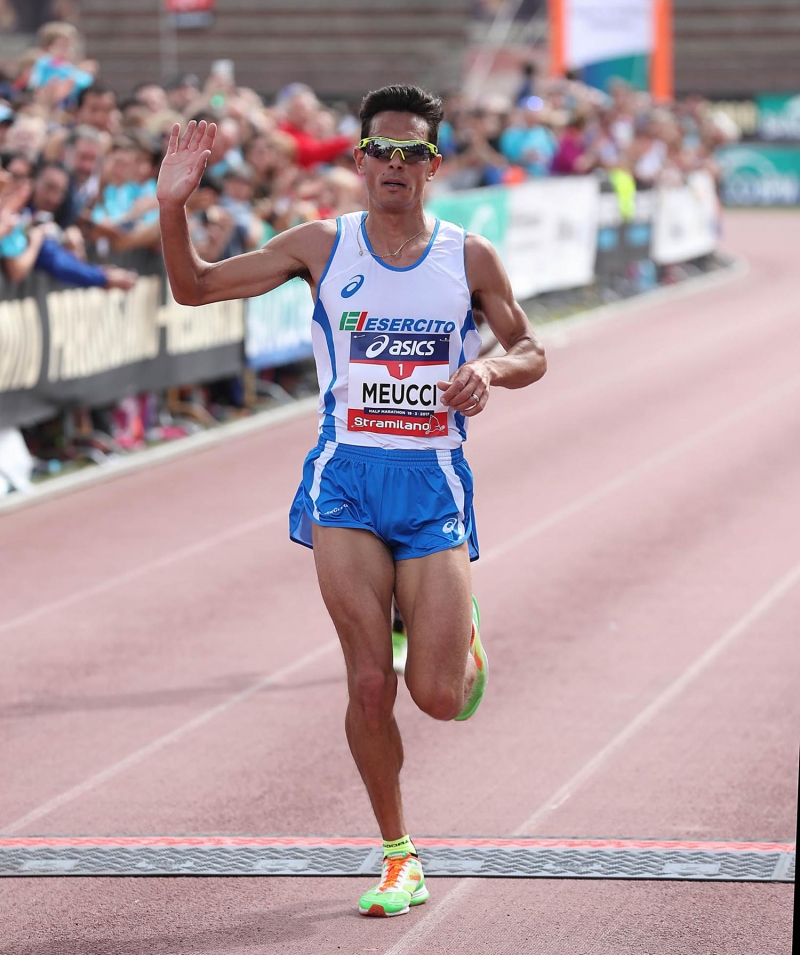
(434, 595)
(356, 575)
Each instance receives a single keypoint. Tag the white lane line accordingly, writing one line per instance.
(70, 795)
(533, 530)
(445, 908)
(245, 527)
(649, 464)
(562, 514)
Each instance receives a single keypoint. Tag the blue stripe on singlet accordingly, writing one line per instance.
(469, 324)
(320, 316)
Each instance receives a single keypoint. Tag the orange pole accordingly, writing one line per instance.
(555, 18)
(662, 84)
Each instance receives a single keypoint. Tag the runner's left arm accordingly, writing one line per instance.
(523, 362)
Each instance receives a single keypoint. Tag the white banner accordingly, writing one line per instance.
(686, 223)
(597, 30)
(279, 326)
(552, 236)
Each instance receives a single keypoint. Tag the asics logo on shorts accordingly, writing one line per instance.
(353, 286)
(453, 526)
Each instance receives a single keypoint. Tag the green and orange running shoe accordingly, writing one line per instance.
(481, 662)
(402, 885)
(399, 642)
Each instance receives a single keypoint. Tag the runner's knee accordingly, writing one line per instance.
(442, 701)
(374, 692)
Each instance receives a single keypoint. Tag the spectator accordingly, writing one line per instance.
(50, 189)
(269, 155)
(182, 91)
(210, 226)
(27, 135)
(274, 165)
(529, 142)
(302, 109)
(17, 166)
(37, 241)
(97, 106)
(237, 199)
(151, 96)
(230, 136)
(55, 68)
(15, 191)
(6, 119)
(527, 86)
(476, 159)
(127, 214)
(647, 156)
(570, 157)
(83, 158)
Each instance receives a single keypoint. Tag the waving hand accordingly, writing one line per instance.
(185, 161)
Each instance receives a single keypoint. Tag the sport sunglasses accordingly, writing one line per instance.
(412, 150)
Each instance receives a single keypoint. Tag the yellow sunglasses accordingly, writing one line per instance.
(411, 150)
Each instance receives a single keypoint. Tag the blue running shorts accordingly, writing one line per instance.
(416, 502)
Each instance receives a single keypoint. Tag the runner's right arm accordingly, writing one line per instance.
(301, 251)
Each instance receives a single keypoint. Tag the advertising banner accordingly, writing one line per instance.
(613, 39)
(545, 231)
(190, 14)
(598, 30)
(279, 326)
(758, 175)
(91, 347)
(779, 116)
(61, 348)
(686, 222)
(552, 235)
(485, 212)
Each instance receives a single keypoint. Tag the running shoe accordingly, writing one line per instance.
(399, 652)
(399, 643)
(402, 885)
(481, 662)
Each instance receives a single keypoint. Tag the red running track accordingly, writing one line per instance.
(169, 668)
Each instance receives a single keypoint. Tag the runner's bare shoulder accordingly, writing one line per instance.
(482, 262)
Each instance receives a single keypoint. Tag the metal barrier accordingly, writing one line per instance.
(62, 348)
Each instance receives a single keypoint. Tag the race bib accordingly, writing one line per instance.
(392, 384)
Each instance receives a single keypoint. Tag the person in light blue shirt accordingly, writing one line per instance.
(527, 142)
(59, 42)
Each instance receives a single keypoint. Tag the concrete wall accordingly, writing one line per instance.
(340, 47)
(737, 47)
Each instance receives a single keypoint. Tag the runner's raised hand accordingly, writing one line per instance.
(185, 161)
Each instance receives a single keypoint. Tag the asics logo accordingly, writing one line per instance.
(353, 286)
(377, 346)
(452, 525)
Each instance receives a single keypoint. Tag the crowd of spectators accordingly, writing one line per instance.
(78, 162)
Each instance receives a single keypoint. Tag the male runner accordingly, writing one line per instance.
(386, 495)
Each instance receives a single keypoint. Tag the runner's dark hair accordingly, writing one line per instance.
(403, 99)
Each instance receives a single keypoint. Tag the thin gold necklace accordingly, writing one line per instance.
(388, 255)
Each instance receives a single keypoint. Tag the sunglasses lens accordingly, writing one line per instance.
(379, 149)
(386, 148)
(417, 152)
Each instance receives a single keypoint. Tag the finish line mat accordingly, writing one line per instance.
(325, 856)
